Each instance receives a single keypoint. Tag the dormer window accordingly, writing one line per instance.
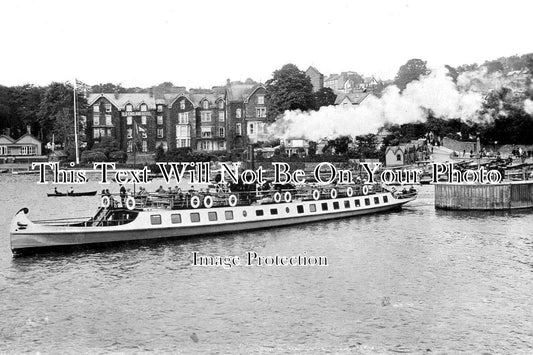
(96, 108)
(238, 113)
(182, 105)
(144, 108)
(260, 100)
(221, 104)
(205, 105)
(129, 107)
(159, 108)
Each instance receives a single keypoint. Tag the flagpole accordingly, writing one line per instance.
(76, 126)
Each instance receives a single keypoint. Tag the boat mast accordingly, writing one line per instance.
(76, 126)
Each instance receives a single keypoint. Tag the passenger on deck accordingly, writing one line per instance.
(55, 191)
(71, 191)
(160, 190)
(122, 195)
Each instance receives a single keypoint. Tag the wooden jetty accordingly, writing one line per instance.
(490, 197)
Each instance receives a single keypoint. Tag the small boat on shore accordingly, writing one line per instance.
(72, 194)
(191, 213)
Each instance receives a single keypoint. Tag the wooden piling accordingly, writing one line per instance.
(503, 196)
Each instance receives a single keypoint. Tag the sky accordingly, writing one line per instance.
(203, 43)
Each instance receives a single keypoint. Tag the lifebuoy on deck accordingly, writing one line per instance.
(365, 190)
(106, 201)
(316, 195)
(130, 203)
(349, 191)
(333, 193)
(208, 201)
(195, 202)
(277, 197)
(232, 200)
(287, 196)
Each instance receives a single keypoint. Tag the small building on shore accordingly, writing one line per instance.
(24, 147)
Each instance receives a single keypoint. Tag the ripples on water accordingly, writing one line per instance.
(417, 280)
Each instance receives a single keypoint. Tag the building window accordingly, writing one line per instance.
(130, 146)
(221, 104)
(145, 146)
(206, 145)
(96, 120)
(143, 120)
(183, 118)
(221, 116)
(212, 216)
(144, 108)
(238, 113)
(160, 133)
(129, 121)
(206, 132)
(96, 108)
(221, 132)
(3, 150)
(108, 108)
(96, 133)
(238, 129)
(195, 217)
(27, 150)
(206, 116)
(129, 107)
(205, 104)
(155, 219)
(108, 121)
(159, 108)
(222, 145)
(143, 134)
(260, 100)
(260, 111)
(175, 218)
(182, 105)
(130, 133)
(251, 129)
(159, 120)
(398, 157)
(229, 215)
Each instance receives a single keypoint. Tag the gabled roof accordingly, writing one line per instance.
(7, 137)
(253, 90)
(313, 69)
(121, 100)
(170, 99)
(355, 98)
(238, 91)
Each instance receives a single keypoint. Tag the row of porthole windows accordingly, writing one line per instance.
(213, 216)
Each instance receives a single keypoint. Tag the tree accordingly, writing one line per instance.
(366, 145)
(340, 144)
(324, 97)
(410, 71)
(289, 89)
(108, 88)
(452, 72)
(56, 111)
(494, 66)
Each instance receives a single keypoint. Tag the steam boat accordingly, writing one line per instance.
(191, 213)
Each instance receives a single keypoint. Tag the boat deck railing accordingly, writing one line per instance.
(197, 198)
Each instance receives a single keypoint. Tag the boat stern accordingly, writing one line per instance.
(19, 227)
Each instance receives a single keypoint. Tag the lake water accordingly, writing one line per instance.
(418, 280)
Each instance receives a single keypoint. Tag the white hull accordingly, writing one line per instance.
(26, 235)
